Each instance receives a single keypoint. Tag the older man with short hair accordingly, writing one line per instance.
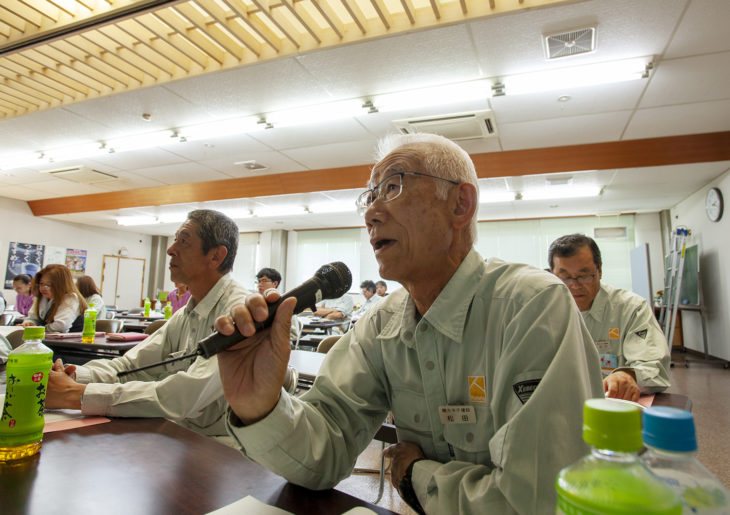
(484, 365)
(189, 391)
(632, 348)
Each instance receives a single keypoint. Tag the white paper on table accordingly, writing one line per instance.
(250, 506)
(359, 510)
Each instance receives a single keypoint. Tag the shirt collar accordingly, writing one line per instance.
(448, 312)
(208, 303)
(599, 304)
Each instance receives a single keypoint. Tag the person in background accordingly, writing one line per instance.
(189, 391)
(58, 304)
(485, 365)
(3, 304)
(179, 297)
(336, 309)
(633, 350)
(381, 288)
(367, 288)
(271, 278)
(267, 278)
(24, 299)
(87, 287)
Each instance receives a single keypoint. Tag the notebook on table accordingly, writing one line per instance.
(125, 337)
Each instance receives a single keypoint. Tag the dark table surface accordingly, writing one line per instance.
(149, 466)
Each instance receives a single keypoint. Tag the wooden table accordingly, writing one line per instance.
(149, 466)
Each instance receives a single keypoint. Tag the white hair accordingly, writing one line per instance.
(441, 157)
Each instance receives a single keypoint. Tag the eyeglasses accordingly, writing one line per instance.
(581, 279)
(388, 189)
(43, 286)
(264, 280)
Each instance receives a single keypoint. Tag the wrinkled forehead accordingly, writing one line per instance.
(402, 159)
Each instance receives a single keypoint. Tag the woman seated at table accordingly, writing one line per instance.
(87, 288)
(24, 299)
(58, 305)
(179, 297)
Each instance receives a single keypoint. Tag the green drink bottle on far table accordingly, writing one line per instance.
(612, 479)
(21, 423)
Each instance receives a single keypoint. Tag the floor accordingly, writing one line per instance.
(707, 384)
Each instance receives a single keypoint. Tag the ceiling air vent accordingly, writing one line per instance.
(82, 175)
(478, 124)
(575, 42)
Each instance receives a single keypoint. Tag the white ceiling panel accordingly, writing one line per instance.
(418, 59)
(275, 162)
(317, 133)
(138, 159)
(680, 119)
(181, 173)
(704, 29)
(677, 81)
(213, 147)
(564, 131)
(334, 155)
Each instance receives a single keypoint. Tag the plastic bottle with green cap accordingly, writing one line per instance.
(669, 435)
(147, 305)
(168, 310)
(21, 423)
(88, 333)
(612, 479)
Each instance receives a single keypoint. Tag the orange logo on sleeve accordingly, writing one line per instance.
(477, 389)
(613, 333)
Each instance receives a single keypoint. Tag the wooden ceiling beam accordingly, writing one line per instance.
(672, 150)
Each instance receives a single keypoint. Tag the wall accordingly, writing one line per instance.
(714, 246)
(19, 225)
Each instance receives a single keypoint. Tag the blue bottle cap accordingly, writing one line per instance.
(669, 429)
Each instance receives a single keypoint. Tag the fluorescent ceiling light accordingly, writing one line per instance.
(237, 213)
(496, 196)
(28, 160)
(220, 128)
(577, 76)
(333, 207)
(278, 211)
(171, 218)
(316, 113)
(136, 220)
(140, 141)
(434, 96)
(80, 151)
(561, 192)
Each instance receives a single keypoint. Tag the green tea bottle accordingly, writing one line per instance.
(21, 423)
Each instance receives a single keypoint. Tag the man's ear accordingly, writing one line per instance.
(466, 204)
(217, 255)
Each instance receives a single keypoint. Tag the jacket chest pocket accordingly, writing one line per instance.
(470, 442)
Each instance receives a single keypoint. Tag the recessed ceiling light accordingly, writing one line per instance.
(564, 98)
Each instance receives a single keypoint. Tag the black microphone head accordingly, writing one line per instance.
(335, 279)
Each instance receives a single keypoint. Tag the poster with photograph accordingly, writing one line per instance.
(54, 256)
(23, 258)
(76, 261)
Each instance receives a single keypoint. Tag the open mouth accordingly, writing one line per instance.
(380, 244)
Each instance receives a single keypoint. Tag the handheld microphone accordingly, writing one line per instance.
(331, 281)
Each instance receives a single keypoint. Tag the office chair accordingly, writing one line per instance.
(326, 344)
(154, 326)
(110, 325)
(15, 338)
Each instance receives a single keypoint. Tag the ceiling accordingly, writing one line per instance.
(321, 163)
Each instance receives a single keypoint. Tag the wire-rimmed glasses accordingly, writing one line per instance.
(388, 189)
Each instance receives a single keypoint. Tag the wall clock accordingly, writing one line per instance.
(713, 204)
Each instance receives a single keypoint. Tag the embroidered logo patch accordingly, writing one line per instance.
(477, 389)
(524, 389)
(641, 334)
(613, 333)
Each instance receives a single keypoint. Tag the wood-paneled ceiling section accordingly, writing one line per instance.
(59, 52)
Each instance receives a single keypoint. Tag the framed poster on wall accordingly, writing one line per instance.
(23, 258)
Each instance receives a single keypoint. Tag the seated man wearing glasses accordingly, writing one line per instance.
(633, 351)
(271, 278)
(485, 365)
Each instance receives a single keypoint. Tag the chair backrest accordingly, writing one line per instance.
(7, 319)
(112, 325)
(133, 311)
(154, 326)
(15, 338)
(326, 344)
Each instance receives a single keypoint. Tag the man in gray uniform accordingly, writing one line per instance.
(485, 365)
(188, 393)
(633, 351)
